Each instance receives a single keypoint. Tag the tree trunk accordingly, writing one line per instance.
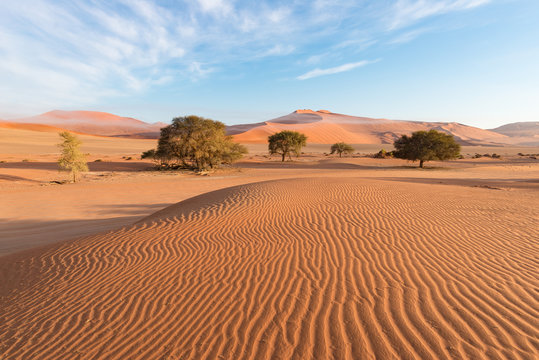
(340, 154)
(74, 177)
(284, 155)
(421, 163)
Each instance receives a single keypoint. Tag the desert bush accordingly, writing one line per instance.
(286, 142)
(196, 143)
(382, 154)
(341, 148)
(426, 146)
(71, 157)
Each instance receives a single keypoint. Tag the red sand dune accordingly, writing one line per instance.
(295, 269)
(324, 127)
(95, 123)
(30, 127)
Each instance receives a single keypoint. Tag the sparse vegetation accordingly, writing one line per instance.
(286, 142)
(71, 158)
(426, 146)
(493, 156)
(382, 154)
(341, 148)
(196, 143)
(98, 160)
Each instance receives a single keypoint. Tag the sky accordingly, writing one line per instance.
(469, 61)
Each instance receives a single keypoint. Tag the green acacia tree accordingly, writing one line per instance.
(195, 142)
(286, 142)
(71, 158)
(341, 148)
(426, 146)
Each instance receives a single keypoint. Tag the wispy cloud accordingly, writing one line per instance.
(334, 70)
(408, 36)
(76, 52)
(406, 12)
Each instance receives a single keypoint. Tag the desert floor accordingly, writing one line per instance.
(317, 258)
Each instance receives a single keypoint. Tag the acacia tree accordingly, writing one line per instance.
(341, 148)
(426, 146)
(195, 142)
(71, 157)
(286, 142)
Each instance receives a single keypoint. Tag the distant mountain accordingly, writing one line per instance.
(95, 123)
(325, 127)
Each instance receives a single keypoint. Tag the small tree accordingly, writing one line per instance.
(195, 142)
(286, 142)
(71, 158)
(341, 148)
(426, 146)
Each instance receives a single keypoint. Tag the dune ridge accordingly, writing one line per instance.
(95, 123)
(325, 127)
(293, 269)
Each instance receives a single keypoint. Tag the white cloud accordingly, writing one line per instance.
(215, 6)
(406, 12)
(334, 70)
(408, 36)
(74, 52)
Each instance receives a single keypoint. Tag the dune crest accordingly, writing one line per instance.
(295, 269)
(325, 127)
(95, 123)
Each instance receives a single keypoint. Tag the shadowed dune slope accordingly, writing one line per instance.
(295, 269)
(324, 127)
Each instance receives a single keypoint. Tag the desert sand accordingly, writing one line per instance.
(346, 268)
(322, 257)
(325, 127)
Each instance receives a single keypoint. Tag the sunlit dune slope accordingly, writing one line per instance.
(525, 133)
(22, 140)
(295, 269)
(324, 127)
(95, 123)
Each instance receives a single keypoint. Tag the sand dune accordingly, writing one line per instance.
(296, 269)
(95, 123)
(29, 127)
(27, 141)
(324, 127)
(525, 133)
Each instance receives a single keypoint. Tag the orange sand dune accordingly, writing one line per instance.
(95, 123)
(30, 127)
(295, 269)
(324, 127)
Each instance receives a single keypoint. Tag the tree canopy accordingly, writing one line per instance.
(286, 142)
(341, 148)
(195, 142)
(71, 158)
(426, 146)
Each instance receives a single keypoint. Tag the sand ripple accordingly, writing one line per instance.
(295, 269)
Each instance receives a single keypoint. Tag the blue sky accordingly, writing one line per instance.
(469, 61)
